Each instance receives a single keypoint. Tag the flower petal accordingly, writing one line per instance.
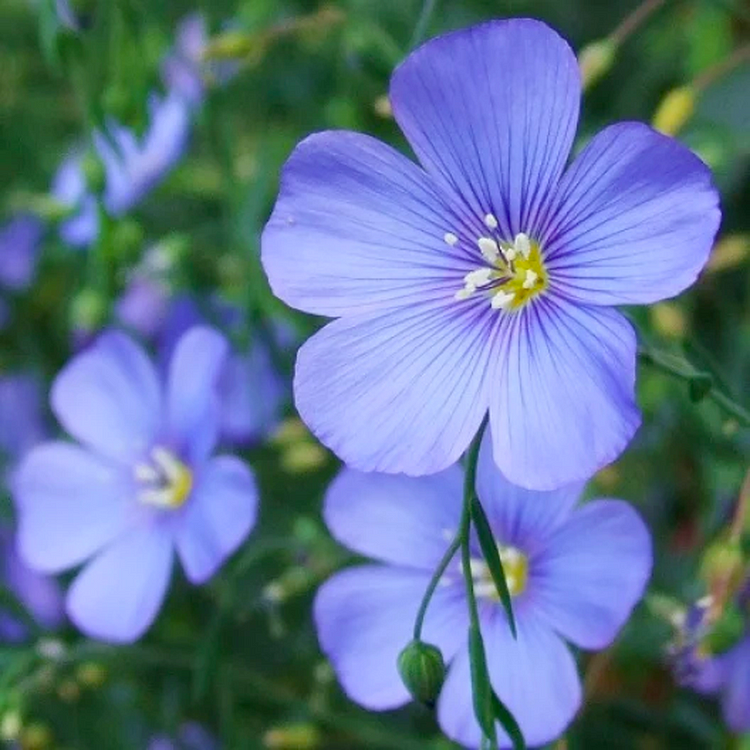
(401, 392)
(217, 517)
(118, 594)
(109, 398)
(563, 405)
(535, 676)
(365, 617)
(402, 520)
(520, 517)
(358, 228)
(592, 573)
(634, 219)
(736, 699)
(70, 503)
(192, 390)
(492, 110)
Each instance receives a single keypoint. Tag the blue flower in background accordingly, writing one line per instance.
(182, 68)
(191, 736)
(141, 484)
(483, 280)
(133, 166)
(575, 575)
(22, 425)
(19, 250)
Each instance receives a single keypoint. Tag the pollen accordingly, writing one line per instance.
(512, 274)
(164, 480)
(515, 566)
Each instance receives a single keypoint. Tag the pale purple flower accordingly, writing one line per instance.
(728, 675)
(141, 484)
(484, 279)
(182, 67)
(133, 166)
(191, 736)
(19, 250)
(40, 595)
(22, 425)
(575, 575)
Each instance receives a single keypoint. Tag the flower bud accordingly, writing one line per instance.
(293, 737)
(93, 171)
(422, 671)
(675, 110)
(722, 567)
(595, 60)
(88, 311)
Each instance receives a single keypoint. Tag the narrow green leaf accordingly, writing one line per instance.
(507, 721)
(492, 557)
(480, 684)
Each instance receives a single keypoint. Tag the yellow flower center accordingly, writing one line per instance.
(164, 481)
(516, 569)
(513, 273)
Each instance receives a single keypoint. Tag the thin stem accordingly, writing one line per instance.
(683, 370)
(428, 8)
(708, 77)
(630, 23)
(434, 581)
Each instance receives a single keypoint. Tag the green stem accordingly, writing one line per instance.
(428, 8)
(682, 369)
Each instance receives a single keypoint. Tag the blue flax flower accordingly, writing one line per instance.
(22, 425)
(574, 574)
(484, 279)
(19, 251)
(141, 484)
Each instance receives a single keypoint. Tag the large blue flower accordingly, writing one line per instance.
(484, 279)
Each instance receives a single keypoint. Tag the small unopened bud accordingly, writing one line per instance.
(729, 252)
(675, 110)
(91, 674)
(595, 60)
(293, 737)
(722, 567)
(10, 726)
(93, 171)
(88, 311)
(422, 671)
(36, 737)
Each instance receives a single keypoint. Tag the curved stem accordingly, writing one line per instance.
(634, 20)
(428, 8)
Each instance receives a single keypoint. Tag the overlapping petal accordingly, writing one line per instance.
(633, 219)
(401, 520)
(70, 504)
(192, 390)
(592, 573)
(365, 617)
(217, 517)
(358, 228)
(404, 391)
(736, 699)
(109, 398)
(534, 675)
(118, 594)
(562, 404)
(520, 517)
(492, 111)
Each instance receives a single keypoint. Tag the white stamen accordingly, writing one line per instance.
(489, 249)
(145, 473)
(450, 238)
(166, 462)
(530, 280)
(480, 277)
(464, 293)
(501, 300)
(510, 254)
(522, 244)
(490, 221)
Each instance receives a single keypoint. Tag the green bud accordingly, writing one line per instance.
(93, 171)
(127, 239)
(595, 60)
(88, 311)
(724, 563)
(726, 632)
(700, 386)
(422, 670)
(675, 110)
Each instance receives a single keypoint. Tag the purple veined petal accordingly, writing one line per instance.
(359, 228)
(217, 517)
(19, 248)
(118, 594)
(633, 219)
(592, 573)
(408, 521)
(192, 391)
(519, 517)
(535, 676)
(563, 404)
(736, 698)
(109, 398)
(365, 617)
(492, 110)
(402, 392)
(70, 503)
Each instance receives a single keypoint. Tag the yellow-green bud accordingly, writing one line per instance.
(93, 171)
(595, 60)
(293, 737)
(88, 311)
(723, 565)
(422, 671)
(675, 110)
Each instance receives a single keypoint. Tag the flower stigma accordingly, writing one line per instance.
(165, 481)
(514, 273)
(516, 569)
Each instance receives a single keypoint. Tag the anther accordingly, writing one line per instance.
(490, 221)
(501, 300)
(480, 277)
(450, 238)
(522, 244)
(530, 280)
(489, 249)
